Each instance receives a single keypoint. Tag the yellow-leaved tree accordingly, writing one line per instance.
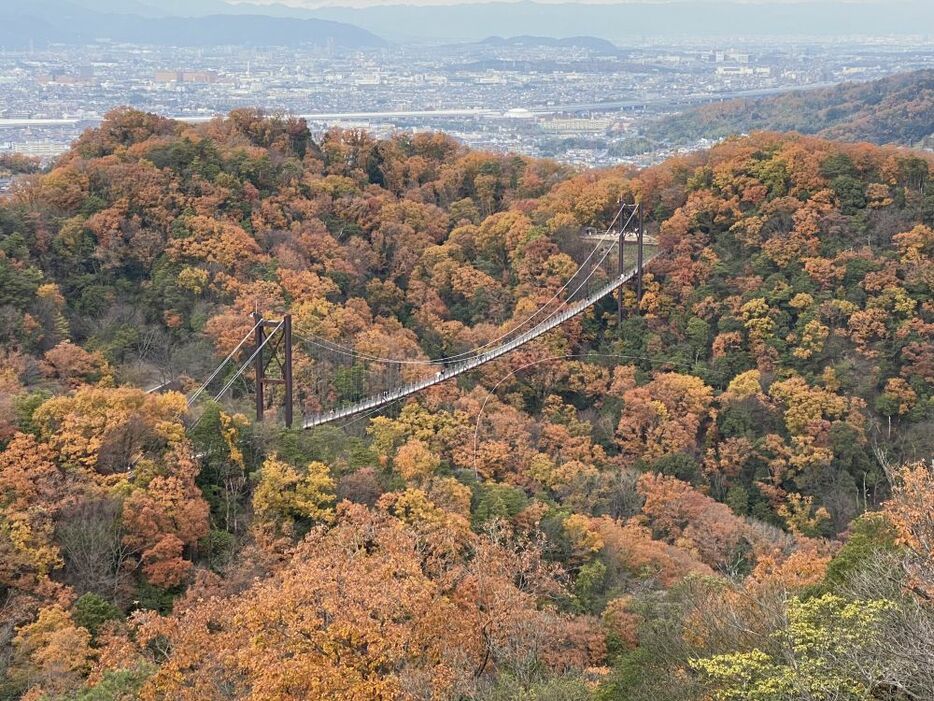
(285, 496)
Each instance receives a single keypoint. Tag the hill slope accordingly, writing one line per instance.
(672, 507)
(897, 110)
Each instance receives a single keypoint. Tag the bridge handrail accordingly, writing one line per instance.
(459, 368)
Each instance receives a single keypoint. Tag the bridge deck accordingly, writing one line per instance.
(460, 368)
(628, 237)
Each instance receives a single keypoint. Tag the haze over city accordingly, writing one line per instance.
(521, 76)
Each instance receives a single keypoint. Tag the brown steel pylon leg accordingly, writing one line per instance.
(621, 269)
(287, 367)
(639, 257)
(259, 365)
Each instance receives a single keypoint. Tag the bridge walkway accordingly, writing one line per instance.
(459, 368)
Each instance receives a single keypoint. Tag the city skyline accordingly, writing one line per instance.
(582, 101)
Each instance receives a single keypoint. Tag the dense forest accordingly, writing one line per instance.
(894, 110)
(721, 497)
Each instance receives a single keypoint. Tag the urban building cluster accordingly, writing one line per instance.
(583, 104)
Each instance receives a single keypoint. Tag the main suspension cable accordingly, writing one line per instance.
(248, 361)
(200, 390)
(467, 355)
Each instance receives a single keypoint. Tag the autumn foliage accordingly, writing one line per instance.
(704, 495)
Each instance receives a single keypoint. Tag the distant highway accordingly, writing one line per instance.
(538, 110)
(696, 98)
(656, 101)
(42, 122)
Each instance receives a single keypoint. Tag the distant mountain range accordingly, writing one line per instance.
(628, 20)
(194, 8)
(41, 22)
(475, 21)
(894, 110)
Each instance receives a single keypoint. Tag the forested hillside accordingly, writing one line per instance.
(895, 110)
(722, 497)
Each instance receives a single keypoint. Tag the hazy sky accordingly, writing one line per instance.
(366, 3)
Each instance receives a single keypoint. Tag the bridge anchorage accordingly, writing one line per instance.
(389, 380)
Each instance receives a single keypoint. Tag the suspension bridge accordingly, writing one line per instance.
(271, 356)
(446, 373)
